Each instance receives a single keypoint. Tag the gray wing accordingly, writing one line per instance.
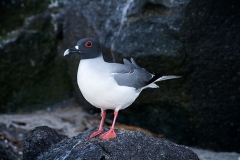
(131, 65)
(130, 74)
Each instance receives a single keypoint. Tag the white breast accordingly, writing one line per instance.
(99, 87)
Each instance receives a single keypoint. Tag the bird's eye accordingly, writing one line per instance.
(88, 44)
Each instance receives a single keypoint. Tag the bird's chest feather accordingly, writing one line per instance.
(100, 89)
(90, 80)
(95, 83)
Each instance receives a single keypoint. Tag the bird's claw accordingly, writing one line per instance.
(94, 134)
(109, 134)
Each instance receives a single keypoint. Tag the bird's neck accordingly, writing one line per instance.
(96, 60)
(92, 65)
(91, 54)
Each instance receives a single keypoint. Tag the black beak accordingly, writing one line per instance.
(71, 50)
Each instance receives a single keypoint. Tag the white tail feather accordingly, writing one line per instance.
(166, 78)
(151, 85)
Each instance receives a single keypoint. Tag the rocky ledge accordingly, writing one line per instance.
(45, 143)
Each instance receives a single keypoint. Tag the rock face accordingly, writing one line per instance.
(195, 39)
(45, 143)
(31, 73)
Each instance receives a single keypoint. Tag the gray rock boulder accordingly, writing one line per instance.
(45, 143)
(195, 39)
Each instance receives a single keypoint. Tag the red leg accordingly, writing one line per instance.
(100, 126)
(110, 134)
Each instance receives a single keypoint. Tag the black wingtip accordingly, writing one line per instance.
(154, 78)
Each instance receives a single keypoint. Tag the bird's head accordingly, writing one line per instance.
(87, 48)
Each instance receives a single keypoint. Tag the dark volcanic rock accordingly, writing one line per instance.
(127, 145)
(11, 142)
(31, 73)
(6, 154)
(198, 40)
(40, 140)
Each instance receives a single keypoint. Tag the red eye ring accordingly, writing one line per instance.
(88, 44)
